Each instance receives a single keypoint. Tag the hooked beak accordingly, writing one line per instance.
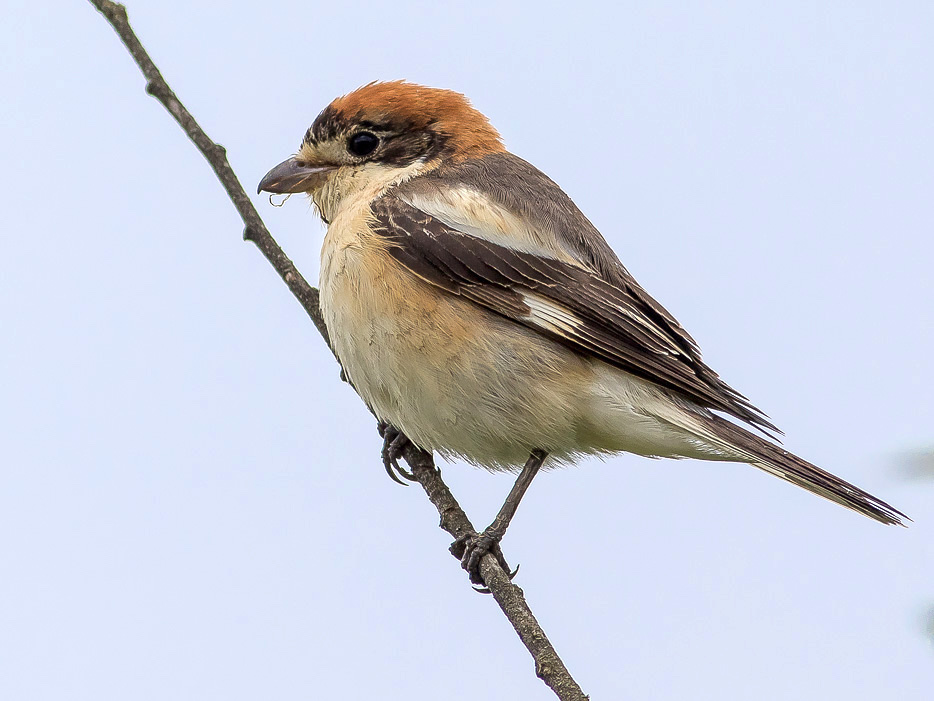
(293, 176)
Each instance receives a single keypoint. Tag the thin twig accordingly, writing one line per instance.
(216, 155)
(548, 666)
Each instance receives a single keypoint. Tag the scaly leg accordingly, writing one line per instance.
(394, 443)
(471, 548)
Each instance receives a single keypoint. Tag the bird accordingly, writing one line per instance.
(480, 315)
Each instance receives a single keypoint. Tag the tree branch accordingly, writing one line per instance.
(548, 666)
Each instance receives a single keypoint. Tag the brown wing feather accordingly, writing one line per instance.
(611, 321)
(521, 188)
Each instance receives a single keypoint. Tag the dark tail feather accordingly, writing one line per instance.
(771, 458)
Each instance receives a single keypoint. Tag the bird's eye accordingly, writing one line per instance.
(362, 143)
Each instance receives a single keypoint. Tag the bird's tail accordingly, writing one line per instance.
(749, 447)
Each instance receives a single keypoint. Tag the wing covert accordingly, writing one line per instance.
(572, 304)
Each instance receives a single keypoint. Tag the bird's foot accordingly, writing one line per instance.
(394, 444)
(470, 549)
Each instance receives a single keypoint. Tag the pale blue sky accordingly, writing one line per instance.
(191, 502)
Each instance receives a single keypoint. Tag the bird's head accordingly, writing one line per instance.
(381, 135)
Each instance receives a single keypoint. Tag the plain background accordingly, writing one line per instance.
(191, 502)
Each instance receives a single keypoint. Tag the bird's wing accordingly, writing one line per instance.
(505, 199)
(570, 303)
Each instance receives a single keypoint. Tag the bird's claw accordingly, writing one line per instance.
(394, 444)
(470, 549)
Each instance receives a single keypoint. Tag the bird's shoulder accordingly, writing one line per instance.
(506, 200)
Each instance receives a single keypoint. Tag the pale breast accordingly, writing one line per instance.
(464, 381)
(453, 377)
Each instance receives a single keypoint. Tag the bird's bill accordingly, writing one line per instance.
(293, 176)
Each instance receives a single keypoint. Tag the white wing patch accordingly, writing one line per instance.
(552, 316)
(473, 213)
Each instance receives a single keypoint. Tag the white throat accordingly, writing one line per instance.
(352, 186)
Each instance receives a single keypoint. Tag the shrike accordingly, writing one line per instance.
(480, 314)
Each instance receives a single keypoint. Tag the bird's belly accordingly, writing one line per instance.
(465, 382)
